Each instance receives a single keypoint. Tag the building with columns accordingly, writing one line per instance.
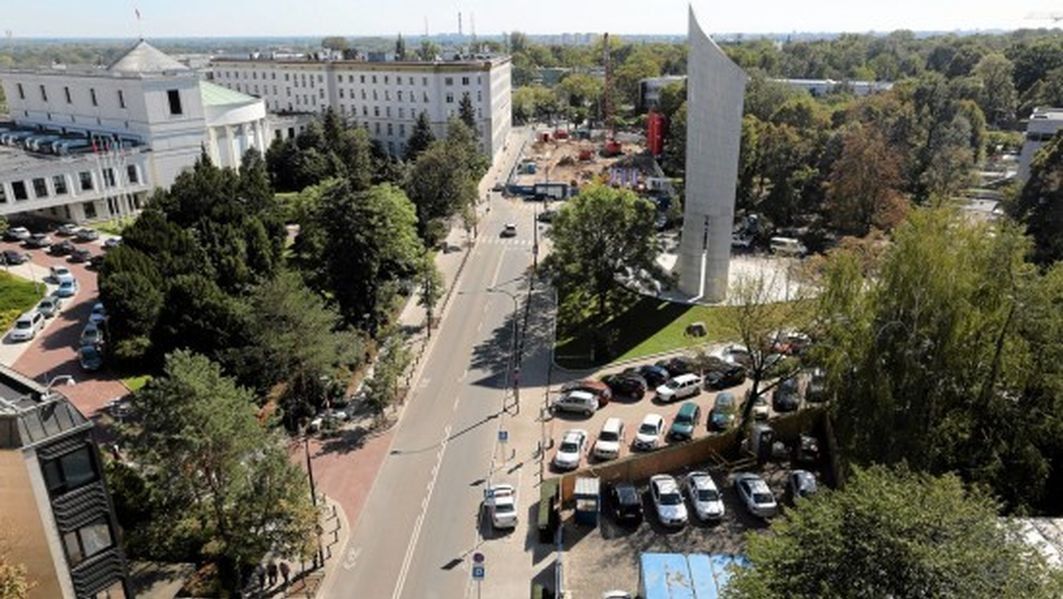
(92, 143)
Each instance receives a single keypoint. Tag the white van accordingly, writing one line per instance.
(787, 246)
(680, 387)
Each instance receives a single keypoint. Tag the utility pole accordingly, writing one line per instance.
(535, 239)
(319, 559)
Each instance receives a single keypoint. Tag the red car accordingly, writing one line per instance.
(596, 388)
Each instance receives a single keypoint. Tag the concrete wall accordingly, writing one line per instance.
(22, 533)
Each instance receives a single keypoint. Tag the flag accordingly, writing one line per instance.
(137, 11)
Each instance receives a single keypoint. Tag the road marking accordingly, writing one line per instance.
(352, 558)
(498, 269)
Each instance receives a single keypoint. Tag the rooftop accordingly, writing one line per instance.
(216, 95)
(1047, 112)
(30, 414)
(145, 58)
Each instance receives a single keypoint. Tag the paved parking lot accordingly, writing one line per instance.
(54, 351)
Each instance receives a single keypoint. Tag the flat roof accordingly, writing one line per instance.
(406, 65)
(29, 416)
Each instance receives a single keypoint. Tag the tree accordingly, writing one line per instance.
(894, 533)
(335, 42)
(597, 235)
(420, 137)
(998, 97)
(863, 189)
(14, 583)
(1040, 204)
(951, 165)
(400, 48)
(430, 288)
(466, 112)
(439, 187)
(219, 477)
(382, 390)
(675, 145)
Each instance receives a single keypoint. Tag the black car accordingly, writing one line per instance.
(816, 392)
(96, 261)
(547, 216)
(38, 240)
(730, 376)
(80, 255)
(653, 375)
(62, 248)
(13, 257)
(627, 505)
(626, 385)
(786, 397)
(677, 365)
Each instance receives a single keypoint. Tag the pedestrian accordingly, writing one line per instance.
(260, 572)
(286, 573)
(271, 569)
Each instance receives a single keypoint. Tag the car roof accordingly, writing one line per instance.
(688, 408)
(652, 418)
(664, 482)
(682, 378)
(573, 432)
(702, 480)
(612, 424)
(579, 394)
(725, 396)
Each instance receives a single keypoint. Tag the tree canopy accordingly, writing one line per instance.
(1040, 203)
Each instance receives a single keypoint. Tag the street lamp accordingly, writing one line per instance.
(62, 379)
(319, 559)
(514, 367)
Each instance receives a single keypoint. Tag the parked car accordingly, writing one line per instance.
(80, 255)
(677, 366)
(509, 230)
(680, 387)
(627, 505)
(98, 314)
(502, 506)
(729, 375)
(801, 483)
(609, 440)
(67, 289)
(626, 385)
(66, 229)
(755, 495)
(686, 420)
(49, 307)
(761, 409)
(27, 326)
(96, 261)
(734, 353)
(87, 234)
(654, 375)
(576, 401)
(649, 434)
(570, 451)
(788, 342)
(547, 216)
(806, 450)
(816, 391)
(596, 388)
(704, 496)
(91, 335)
(787, 246)
(112, 243)
(60, 273)
(90, 358)
(671, 510)
(786, 397)
(724, 411)
(17, 234)
(14, 257)
(37, 241)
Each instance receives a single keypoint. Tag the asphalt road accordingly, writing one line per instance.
(417, 532)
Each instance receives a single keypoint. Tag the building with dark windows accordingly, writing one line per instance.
(56, 515)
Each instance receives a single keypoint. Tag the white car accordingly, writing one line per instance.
(680, 387)
(704, 496)
(27, 326)
(98, 314)
(502, 506)
(667, 500)
(761, 409)
(61, 274)
(756, 495)
(19, 233)
(570, 451)
(578, 401)
(649, 434)
(607, 446)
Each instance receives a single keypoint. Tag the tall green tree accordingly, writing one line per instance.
(1040, 203)
(221, 480)
(998, 98)
(466, 112)
(894, 533)
(675, 144)
(420, 138)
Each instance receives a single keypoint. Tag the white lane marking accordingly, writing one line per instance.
(352, 558)
(408, 558)
(498, 269)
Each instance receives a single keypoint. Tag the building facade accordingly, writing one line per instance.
(1044, 123)
(92, 143)
(385, 98)
(650, 87)
(56, 512)
(715, 94)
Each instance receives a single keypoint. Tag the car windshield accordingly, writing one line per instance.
(763, 498)
(724, 402)
(569, 447)
(504, 508)
(671, 384)
(682, 419)
(88, 352)
(671, 499)
(708, 495)
(608, 436)
(23, 324)
(648, 428)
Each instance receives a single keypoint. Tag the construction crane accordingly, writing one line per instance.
(611, 147)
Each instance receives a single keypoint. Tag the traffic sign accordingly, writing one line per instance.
(478, 573)
(503, 435)
(478, 558)
(489, 493)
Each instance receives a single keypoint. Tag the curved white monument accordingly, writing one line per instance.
(715, 92)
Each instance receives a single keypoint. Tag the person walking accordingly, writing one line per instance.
(260, 572)
(286, 573)
(271, 570)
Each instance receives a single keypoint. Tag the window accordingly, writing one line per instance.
(425, 97)
(286, 76)
(361, 78)
(402, 113)
(66, 92)
(386, 79)
(363, 94)
(374, 95)
(424, 81)
(321, 93)
(350, 78)
(87, 541)
(3, 194)
(387, 95)
(388, 111)
(92, 96)
(85, 177)
(399, 96)
(18, 189)
(40, 187)
(390, 130)
(59, 183)
(320, 78)
(90, 210)
(273, 76)
(377, 127)
(374, 78)
(376, 111)
(450, 98)
(44, 94)
(121, 99)
(254, 75)
(175, 101)
(402, 129)
(479, 96)
(464, 80)
(21, 93)
(131, 172)
(69, 471)
(365, 110)
(448, 81)
(341, 92)
(108, 177)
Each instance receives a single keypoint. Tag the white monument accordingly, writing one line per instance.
(715, 92)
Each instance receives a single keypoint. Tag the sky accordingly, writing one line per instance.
(186, 18)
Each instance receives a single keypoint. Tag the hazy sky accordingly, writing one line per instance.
(168, 18)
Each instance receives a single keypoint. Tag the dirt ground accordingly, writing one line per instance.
(558, 160)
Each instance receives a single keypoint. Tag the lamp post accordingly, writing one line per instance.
(514, 367)
(319, 559)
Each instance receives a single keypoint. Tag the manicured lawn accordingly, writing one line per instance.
(114, 227)
(134, 383)
(16, 296)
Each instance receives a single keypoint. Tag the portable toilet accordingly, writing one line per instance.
(761, 440)
(588, 500)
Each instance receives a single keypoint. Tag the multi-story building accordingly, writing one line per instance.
(86, 144)
(1042, 126)
(650, 88)
(56, 515)
(384, 97)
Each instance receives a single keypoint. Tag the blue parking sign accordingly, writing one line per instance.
(478, 572)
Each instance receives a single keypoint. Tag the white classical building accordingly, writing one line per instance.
(1042, 126)
(384, 97)
(85, 144)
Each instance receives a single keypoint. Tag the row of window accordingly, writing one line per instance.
(64, 474)
(448, 81)
(20, 190)
(173, 95)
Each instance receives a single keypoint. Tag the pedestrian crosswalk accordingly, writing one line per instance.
(506, 241)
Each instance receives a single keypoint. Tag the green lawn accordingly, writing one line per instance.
(648, 326)
(115, 226)
(16, 296)
(135, 382)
